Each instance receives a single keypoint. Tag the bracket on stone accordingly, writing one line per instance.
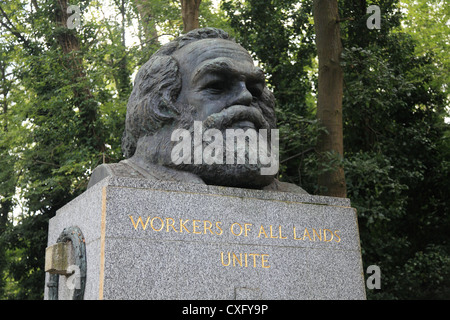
(68, 258)
(59, 257)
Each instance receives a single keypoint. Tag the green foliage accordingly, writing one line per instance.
(298, 161)
(63, 114)
(25, 244)
(280, 36)
(377, 195)
(396, 142)
(419, 281)
(63, 105)
(427, 23)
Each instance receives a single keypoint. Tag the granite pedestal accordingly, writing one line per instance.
(161, 240)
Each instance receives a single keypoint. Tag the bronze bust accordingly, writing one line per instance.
(202, 76)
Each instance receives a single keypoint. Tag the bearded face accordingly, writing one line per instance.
(223, 89)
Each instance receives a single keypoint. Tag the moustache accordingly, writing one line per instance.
(243, 116)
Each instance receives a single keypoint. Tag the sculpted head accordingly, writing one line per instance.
(201, 76)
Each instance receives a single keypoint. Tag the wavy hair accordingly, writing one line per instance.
(152, 103)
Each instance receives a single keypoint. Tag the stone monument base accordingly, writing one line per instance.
(141, 239)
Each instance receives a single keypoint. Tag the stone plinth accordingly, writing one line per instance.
(162, 240)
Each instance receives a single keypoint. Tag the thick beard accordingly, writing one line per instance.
(231, 175)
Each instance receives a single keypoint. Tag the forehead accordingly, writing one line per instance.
(199, 53)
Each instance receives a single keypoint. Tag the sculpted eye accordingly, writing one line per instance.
(256, 90)
(216, 86)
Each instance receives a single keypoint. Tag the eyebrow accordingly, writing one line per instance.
(223, 66)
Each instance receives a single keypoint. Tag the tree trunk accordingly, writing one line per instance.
(329, 97)
(145, 14)
(149, 35)
(83, 97)
(189, 12)
(7, 186)
(121, 73)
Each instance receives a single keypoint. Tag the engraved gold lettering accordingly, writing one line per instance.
(240, 229)
(237, 229)
(162, 223)
(218, 227)
(254, 258)
(247, 228)
(195, 226)
(241, 260)
(325, 235)
(135, 225)
(319, 234)
(281, 237)
(338, 238)
(170, 223)
(207, 227)
(236, 259)
(306, 233)
(271, 235)
(262, 231)
(295, 236)
(229, 259)
(183, 226)
(263, 261)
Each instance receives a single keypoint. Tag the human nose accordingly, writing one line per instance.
(243, 96)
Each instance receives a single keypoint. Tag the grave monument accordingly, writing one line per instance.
(195, 210)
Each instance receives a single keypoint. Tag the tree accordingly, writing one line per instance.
(7, 174)
(427, 23)
(396, 147)
(280, 36)
(147, 12)
(395, 137)
(190, 11)
(329, 95)
(63, 101)
(60, 134)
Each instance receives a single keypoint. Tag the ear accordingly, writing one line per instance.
(267, 106)
(152, 101)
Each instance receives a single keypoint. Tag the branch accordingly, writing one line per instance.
(142, 43)
(35, 4)
(13, 30)
(296, 155)
(345, 19)
(47, 163)
(156, 37)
